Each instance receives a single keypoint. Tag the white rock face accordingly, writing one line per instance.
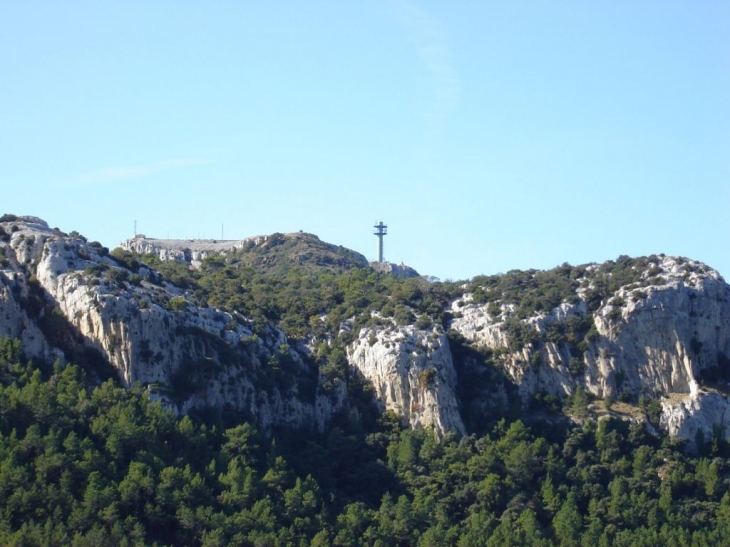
(213, 353)
(684, 416)
(15, 323)
(475, 324)
(192, 251)
(653, 340)
(484, 330)
(398, 270)
(663, 336)
(15, 288)
(413, 374)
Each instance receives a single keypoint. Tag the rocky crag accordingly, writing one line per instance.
(664, 335)
(656, 329)
(59, 291)
(412, 372)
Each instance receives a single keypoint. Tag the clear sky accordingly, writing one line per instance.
(488, 135)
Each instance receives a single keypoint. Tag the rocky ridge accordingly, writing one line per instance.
(265, 251)
(192, 251)
(663, 333)
(150, 332)
(661, 336)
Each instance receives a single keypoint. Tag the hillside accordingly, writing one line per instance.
(238, 398)
(284, 325)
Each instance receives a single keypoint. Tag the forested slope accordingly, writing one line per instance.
(102, 465)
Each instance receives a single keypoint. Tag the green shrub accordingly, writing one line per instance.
(403, 316)
(424, 322)
(494, 310)
(103, 251)
(177, 304)
(576, 366)
(117, 275)
(427, 377)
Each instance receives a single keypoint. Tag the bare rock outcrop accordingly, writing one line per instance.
(658, 337)
(706, 412)
(151, 333)
(397, 270)
(545, 368)
(412, 372)
(663, 337)
(192, 251)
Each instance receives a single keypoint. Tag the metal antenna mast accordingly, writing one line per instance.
(380, 231)
(135, 227)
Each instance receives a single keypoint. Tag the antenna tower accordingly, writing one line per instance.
(380, 231)
(135, 227)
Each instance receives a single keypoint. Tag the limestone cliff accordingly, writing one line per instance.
(412, 372)
(54, 287)
(659, 336)
(651, 328)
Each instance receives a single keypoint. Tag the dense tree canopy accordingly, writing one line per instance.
(84, 464)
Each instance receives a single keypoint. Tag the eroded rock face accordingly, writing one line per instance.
(189, 356)
(662, 338)
(706, 412)
(665, 336)
(656, 340)
(15, 322)
(412, 372)
(542, 369)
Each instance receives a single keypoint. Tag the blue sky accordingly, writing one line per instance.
(487, 135)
